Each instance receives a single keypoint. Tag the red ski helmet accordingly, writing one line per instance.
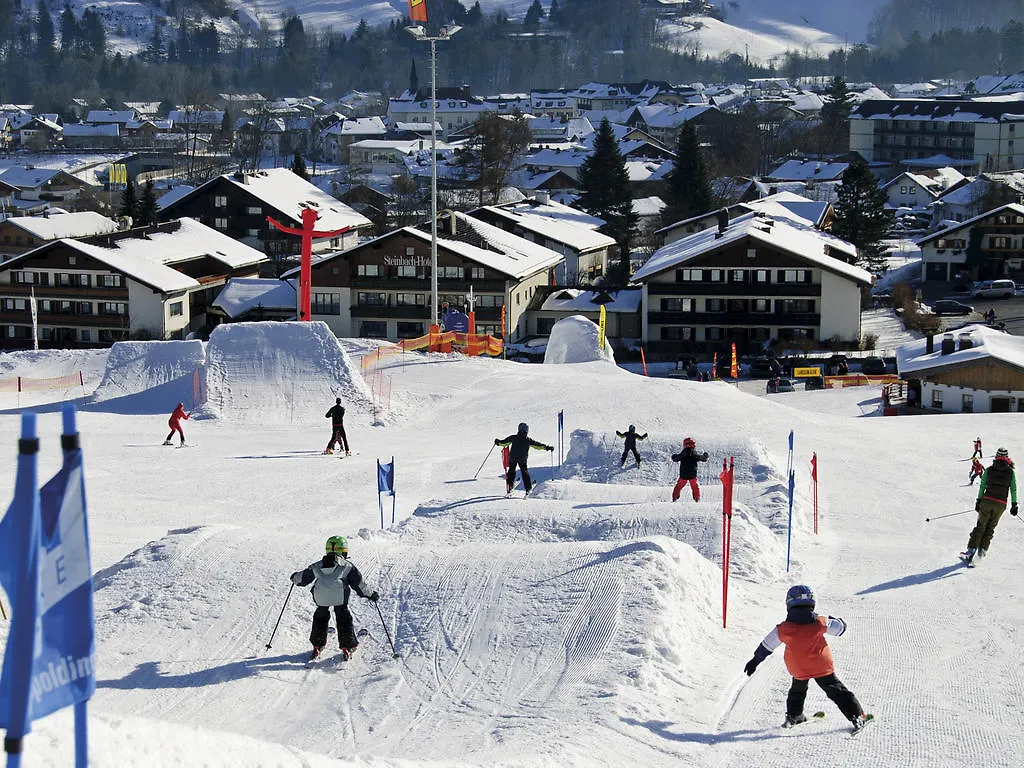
(689, 442)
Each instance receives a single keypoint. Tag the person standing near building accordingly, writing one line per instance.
(631, 437)
(688, 459)
(337, 416)
(175, 424)
(998, 482)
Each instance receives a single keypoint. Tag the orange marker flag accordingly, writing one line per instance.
(418, 10)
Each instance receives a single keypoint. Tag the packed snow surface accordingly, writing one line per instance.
(576, 339)
(580, 626)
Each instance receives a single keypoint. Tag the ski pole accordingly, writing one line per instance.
(951, 514)
(394, 653)
(2, 611)
(484, 461)
(282, 614)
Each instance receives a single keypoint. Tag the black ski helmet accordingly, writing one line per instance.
(523, 428)
(337, 400)
(631, 428)
(799, 595)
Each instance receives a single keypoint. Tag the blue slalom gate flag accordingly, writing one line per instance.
(561, 424)
(789, 534)
(61, 664)
(19, 575)
(386, 484)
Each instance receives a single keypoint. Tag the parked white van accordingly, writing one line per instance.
(994, 289)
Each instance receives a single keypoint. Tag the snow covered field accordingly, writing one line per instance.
(578, 627)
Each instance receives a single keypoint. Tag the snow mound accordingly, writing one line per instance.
(150, 376)
(279, 372)
(575, 340)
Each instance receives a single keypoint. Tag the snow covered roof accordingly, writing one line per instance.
(648, 206)
(577, 300)
(803, 170)
(670, 116)
(82, 224)
(242, 294)
(557, 211)
(25, 177)
(289, 193)
(364, 126)
(82, 129)
(150, 259)
(986, 343)
(111, 115)
(1016, 208)
(568, 233)
(982, 110)
(785, 235)
(173, 195)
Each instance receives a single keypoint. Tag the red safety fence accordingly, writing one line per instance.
(859, 380)
(26, 384)
(469, 344)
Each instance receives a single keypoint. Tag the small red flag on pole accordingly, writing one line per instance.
(418, 10)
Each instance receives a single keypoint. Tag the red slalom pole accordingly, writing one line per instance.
(814, 479)
(727, 476)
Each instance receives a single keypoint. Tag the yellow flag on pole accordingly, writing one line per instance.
(601, 327)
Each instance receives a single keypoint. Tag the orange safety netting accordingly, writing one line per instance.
(25, 384)
(469, 344)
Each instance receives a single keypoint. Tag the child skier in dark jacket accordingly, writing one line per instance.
(333, 577)
(688, 459)
(337, 416)
(808, 657)
(519, 446)
(631, 438)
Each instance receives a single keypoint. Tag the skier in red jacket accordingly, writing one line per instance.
(175, 423)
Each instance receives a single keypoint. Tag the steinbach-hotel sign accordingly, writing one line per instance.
(407, 261)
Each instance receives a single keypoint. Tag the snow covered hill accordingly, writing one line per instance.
(580, 626)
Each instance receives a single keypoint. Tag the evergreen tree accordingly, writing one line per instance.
(414, 80)
(298, 166)
(94, 36)
(861, 217)
(687, 188)
(69, 33)
(604, 192)
(533, 16)
(474, 15)
(835, 115)
(129, 204)
(147, 212)
(44, 30)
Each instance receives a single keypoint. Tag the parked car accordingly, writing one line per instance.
(814, 382)
(951, 307)
(779, 385)
(994, 289)
(765, 368)
(873, 366)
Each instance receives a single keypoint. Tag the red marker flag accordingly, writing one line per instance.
(418, 10)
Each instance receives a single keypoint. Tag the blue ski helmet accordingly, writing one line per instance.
(523, 428)
(799, 595)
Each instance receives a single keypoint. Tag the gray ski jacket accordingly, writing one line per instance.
(332, 583)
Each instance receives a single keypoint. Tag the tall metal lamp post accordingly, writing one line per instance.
(445, 33)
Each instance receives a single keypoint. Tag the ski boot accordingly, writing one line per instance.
(859, 722)
(167, 442)
(981, 554)
(316, 653)
(792, 720)
(968, 556)
(328, 452)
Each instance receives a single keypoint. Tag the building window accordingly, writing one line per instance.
(544, 325)
(760, 334)
(968, 403)
(220, 223)
(325, 304)
(374, 299)
(374, 329)
(220, 201)
(108, 281)
(72, 260)
(252, 233)
(689, 275)
(737, 306)
(797, 305)
(252, 210)
(476, 273)
(86, 335)
(999, 242)
(713, 334)
(762, 276)
(796, 334)
(409, 330)
(937, 399)
(737, 276)
(449, 273)
(677, 305)
(761, 305)
(113, 308)
(85, 307)
(714, 305)
(409, 299)
(489, 300)
(368, 270)
(676, 333)
(406, 271)
(794, 276)
(716, 275)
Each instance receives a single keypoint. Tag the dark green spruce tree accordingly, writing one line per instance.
(687, 187)
(835, 115)
(605, 192)
(148, 214)
(129, 203)
(298, 166)
(861, 217)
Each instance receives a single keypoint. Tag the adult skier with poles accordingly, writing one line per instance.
(998, 482)
(333, 577)
(808, 657)
(519, 446)
(631, 437)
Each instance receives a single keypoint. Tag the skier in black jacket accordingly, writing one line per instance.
(519, 446)
(631, 438)
(688, 458)
(337, 417)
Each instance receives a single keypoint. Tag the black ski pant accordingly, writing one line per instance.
(626, 452)
(338, 436)
(322, 617)
(840, 695)
(510, 476)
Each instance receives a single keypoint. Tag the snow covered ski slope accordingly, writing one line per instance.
(580, 626)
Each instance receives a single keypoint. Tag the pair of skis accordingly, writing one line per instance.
(856, 731)
(344, 655)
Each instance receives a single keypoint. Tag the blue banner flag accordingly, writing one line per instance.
(19, 575)
(386, 477)
(791, 439)
(561, 419)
